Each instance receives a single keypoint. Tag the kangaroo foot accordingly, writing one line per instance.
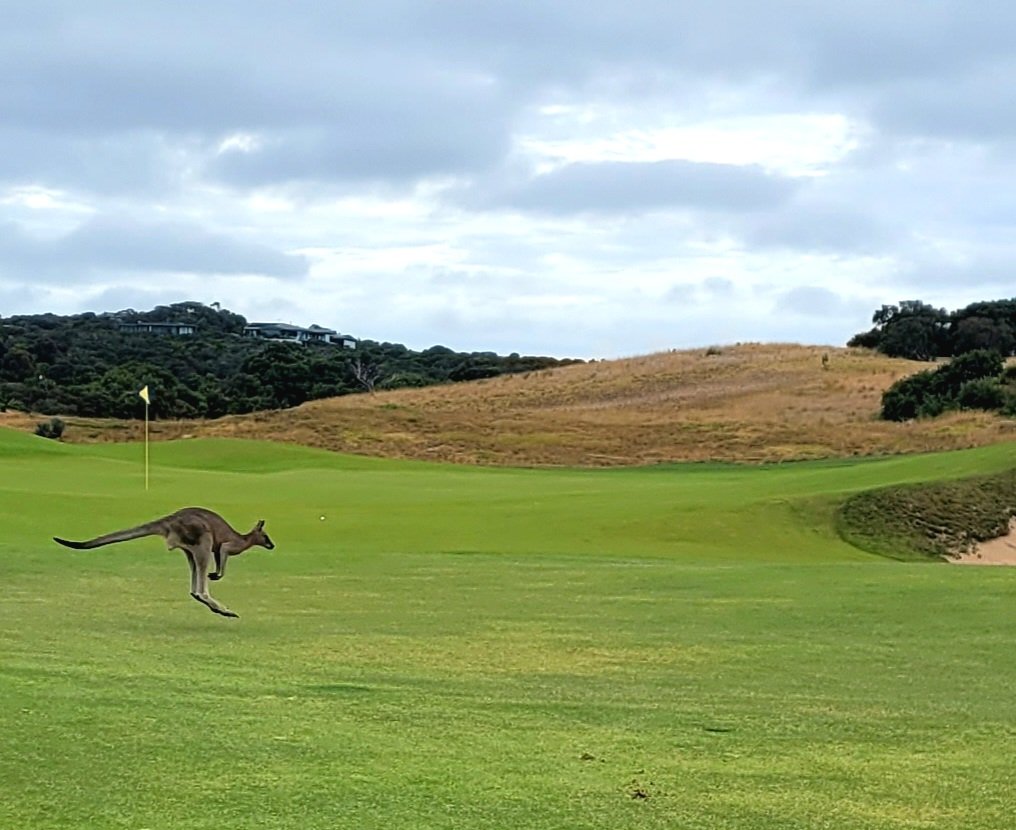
(212, 605)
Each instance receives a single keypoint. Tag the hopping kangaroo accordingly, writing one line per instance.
(199, 533)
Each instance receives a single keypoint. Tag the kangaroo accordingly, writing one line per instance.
(202, 535)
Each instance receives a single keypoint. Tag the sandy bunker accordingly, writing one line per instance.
(1000, 551)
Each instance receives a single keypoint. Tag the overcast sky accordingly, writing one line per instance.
(588, 179)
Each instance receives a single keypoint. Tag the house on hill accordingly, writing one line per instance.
(298, 334)
(172, 329)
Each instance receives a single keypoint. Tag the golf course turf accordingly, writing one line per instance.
(432, 646)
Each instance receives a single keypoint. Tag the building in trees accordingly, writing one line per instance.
(298, 334)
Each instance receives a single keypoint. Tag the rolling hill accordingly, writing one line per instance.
(750, 403)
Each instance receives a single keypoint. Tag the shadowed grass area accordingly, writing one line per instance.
(465, 648)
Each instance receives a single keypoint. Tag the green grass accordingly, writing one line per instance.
(472, 648)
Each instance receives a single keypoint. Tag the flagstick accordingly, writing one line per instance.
(143, 394)
(146, 445)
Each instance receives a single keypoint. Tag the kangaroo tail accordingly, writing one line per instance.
(150, 529)
(66, 543)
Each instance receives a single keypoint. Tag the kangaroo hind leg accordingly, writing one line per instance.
(200, 557)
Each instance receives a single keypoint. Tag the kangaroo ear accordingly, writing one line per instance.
(261, 524)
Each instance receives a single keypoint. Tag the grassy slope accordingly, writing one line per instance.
(747, 403)
(930, 520)
(458, 647)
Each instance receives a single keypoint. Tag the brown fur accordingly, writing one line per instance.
(202, 535)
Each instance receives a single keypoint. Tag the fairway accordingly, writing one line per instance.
(432, 646)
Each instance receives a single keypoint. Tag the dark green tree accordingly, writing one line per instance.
(915, 329)
(972, 333)
(17, 365)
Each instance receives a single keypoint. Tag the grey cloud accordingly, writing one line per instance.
(126, 244)
(104, 68)
(974, 106)
(624, 187)
(682, 294)
(390, 146)
(718, 286)
(821, 228)
(840, 55)
(331, 96)
(236, 60)
(870, 41)
(820, 315)
(399, 90)
(923, 70)
(991, 270)
(16, 298)
(811, 301)
(690, 293)
(480, 287)
(133, 163)
(130, 296)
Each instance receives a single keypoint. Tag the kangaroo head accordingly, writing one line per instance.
(259, 537)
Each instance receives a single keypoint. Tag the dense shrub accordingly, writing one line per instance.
(54, 428)
(982, 393)
(906, 398)
(982, 363)
(970, 381)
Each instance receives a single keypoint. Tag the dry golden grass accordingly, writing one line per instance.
(739, 403)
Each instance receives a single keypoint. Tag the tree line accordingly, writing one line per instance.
(919, 331)
(976, 339)
(84, 364)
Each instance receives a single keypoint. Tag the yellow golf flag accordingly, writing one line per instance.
(147, 399)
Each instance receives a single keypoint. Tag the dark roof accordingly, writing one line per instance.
(316, 329)
(124, 324)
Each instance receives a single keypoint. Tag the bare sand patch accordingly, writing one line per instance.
(1000, 551)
